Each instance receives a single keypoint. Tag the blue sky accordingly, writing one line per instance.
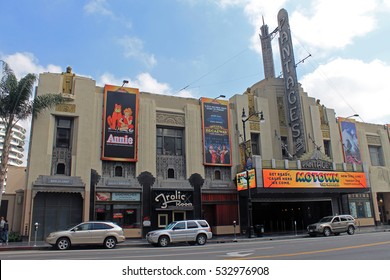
(207, 47)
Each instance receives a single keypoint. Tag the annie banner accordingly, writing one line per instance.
(274, 178)
(120, 117)
(216, 135)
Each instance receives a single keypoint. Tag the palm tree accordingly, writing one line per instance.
(17, 103)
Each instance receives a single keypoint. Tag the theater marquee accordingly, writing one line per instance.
(313, 179)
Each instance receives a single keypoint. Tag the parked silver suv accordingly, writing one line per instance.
(191, 231)
(333, 224)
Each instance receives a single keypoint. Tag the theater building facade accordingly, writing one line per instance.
(144, 159)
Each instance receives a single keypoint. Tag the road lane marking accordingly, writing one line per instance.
(316, 251)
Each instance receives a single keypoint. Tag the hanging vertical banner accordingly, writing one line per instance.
(120, 117)
(243, 179)
(216, 132)
(293, 100)
(350, 141)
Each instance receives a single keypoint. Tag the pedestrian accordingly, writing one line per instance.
(5, 231)
(2, 223)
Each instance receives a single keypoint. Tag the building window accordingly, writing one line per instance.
(60, 168)
(63, 134)
(118, 171)
(124, 215)
(169, 141)
(162, 220)
(285, 153)
(171, 173)
(217, 175)
(255, 142)
(327, 148)
(376, 155)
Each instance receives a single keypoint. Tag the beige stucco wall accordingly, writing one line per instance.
(86, 150)
(88, 100)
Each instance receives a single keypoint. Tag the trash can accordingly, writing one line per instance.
(259, 230)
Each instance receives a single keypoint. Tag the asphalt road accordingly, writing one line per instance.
(367, 246)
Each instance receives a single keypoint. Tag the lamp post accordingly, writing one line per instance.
(353, 116)
(244, 119)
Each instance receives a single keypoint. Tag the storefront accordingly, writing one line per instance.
(171, 205)
(287, 200)
(119, 201)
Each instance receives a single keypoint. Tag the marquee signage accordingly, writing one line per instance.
(316, 164)
(274, 178)
(216, 136)
(294, 107)
(176, 198)
(120, 117)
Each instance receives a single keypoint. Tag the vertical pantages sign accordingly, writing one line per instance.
(293, 101)
(216, 132)
(120, 118)
(350, 141)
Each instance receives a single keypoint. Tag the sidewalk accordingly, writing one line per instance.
(42, 245)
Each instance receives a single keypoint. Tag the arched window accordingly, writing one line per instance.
(118, 171)
(217, 175)
(60, 168)
(171, 173)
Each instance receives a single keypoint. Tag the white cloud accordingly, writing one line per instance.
(24, 63)
(134, 48)
(98, 7)
(324, 26)
(102, 8)
(352, 86)
(320, 24)
(144, 82)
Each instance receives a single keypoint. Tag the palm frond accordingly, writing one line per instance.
(46, 101)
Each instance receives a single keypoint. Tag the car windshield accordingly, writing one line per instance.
(325, 219)
(170, 226)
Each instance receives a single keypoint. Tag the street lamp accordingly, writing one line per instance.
(353, 116)
(244, 119)
(124, 82)
(220, 96)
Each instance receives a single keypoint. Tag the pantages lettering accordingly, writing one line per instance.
(291, 84)
(316, 164)
(175, 199)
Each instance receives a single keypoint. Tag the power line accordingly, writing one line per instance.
(212, 70)
(325, 77)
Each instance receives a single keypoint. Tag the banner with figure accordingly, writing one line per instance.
(120, 117)
(216, 132)
(350, 141)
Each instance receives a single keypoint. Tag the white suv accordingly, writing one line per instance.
(333, 224)
(190, 231)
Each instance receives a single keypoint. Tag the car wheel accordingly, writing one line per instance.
(110, 243)
(351, 230)
(63, 243)
(327, 231)
(163, 241)
(201, 239)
